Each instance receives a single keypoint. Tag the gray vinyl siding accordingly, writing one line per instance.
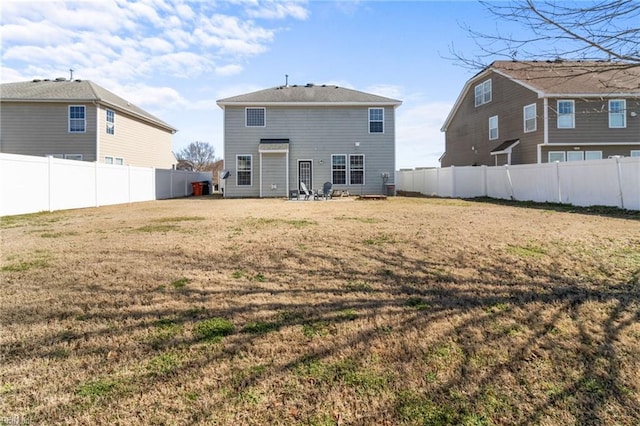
(592, 122)
(315, 133)
(36, 128)
(139, 143)
(274, 172)
(467, 136)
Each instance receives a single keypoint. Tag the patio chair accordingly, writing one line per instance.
(326, 190)
(308, 193)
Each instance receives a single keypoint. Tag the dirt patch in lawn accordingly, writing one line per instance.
(404, 311)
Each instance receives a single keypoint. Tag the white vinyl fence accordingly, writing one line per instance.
(610, 182)
(30, 184)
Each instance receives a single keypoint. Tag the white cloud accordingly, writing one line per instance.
(228, 70)
(279, 10)
(419, 142)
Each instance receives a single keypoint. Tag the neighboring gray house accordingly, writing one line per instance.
(278, 137)
(81, 120)
(516, 112)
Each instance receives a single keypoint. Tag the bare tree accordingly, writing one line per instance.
(594, 30)
(200, 155)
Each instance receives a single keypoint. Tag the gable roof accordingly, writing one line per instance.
(308, 95)
(562, 78)
(573, 77)
(61, 90)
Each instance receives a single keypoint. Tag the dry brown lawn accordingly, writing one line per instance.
(259, 312)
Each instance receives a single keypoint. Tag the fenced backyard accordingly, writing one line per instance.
(610, 182)
(30, 184)
(409, 311)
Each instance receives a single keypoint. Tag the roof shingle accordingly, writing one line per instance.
(72, 91)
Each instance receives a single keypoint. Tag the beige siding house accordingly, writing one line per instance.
(80, 120)
(276, 138)
(536, 112)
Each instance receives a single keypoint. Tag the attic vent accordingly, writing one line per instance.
(61, 79)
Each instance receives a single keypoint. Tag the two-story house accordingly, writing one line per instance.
(536, 112)
(80, 120)
(276, 138)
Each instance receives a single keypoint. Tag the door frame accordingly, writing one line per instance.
(300, 161)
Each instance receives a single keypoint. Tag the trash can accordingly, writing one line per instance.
(294, 194)
(205, 187)
(197, 188)
(391, 190)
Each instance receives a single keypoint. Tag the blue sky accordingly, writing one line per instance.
(176, 58)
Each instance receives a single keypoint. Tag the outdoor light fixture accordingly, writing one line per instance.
(357, 144)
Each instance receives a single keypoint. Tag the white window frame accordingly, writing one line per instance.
(108, 159)
(529, 115)
(621, 114)
(351, 169)
(76, 120)
(246, 116)
(635, 153)
(550, 153)
(597, 155)
(243, 170)
(119, 161)
(334, 169)
(110, 124)
(482, 93)
(77, 157)
(572, 115)
(491, 136)
(575, 156)
(381, 121)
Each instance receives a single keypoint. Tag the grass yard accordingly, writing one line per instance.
(267, 312)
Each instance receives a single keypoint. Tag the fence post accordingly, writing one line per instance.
(49, 186)
(558, 182)
(453, 181)
(506, 167)
(485, 193)
(96, 185)
(619, 172)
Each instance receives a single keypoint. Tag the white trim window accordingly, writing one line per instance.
(575, 155)
(77, 119)
(111, 121)
(635, 153)
(617, 113)
(593, 155)
(77, 157)
(108, 159)
(338, 169)
(556, 156)
(566, 114)
(483, 93)
(529, 117)
(493, 128)
(255, 117)
(376, 120)
(356, 169)
(243, 170)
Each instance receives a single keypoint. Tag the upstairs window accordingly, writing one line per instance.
(77, 119)
(566, 115)
(254, 117)
(483, 93)
(111, 122)
(376, 120)
(529, 113)
(493, 128)
(339, 169)
(243, 170)
(617, 113)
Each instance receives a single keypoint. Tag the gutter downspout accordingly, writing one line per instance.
(97, 186)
